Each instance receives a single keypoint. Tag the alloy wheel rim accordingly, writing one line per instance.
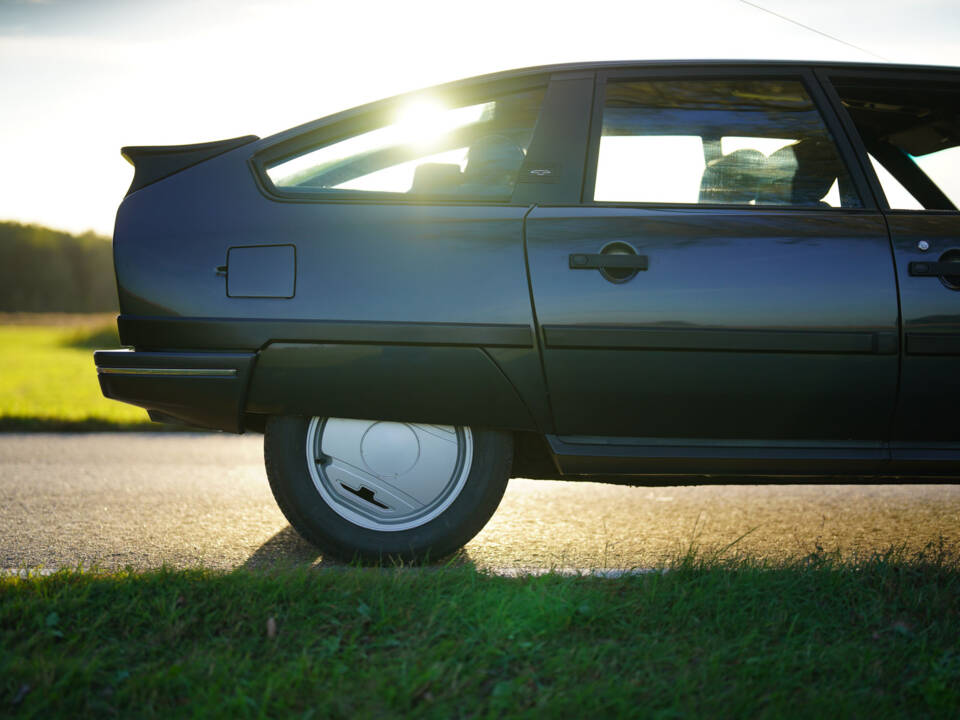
(388, 476)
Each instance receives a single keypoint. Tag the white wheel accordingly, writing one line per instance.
(371, 489)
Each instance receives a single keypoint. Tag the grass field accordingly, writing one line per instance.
(48, 380)
(811, 638)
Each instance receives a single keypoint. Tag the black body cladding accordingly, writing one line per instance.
(517, 278)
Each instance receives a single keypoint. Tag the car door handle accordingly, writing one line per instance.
(597, 261)
(926, 269)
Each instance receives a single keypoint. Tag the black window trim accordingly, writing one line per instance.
(802, 73)
(826, 75)
(347, 124)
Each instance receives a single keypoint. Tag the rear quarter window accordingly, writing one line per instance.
(429, 149)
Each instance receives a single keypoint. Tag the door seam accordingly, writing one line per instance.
(538, 339)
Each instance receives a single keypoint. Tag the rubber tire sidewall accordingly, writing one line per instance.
(285, 456)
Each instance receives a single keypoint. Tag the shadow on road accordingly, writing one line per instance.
(286, 548)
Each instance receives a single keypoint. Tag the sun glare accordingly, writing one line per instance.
(649, 168)
(423, 121)
(419, 125)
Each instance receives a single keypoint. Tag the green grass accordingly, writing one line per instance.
(48, 381)
(708, 638)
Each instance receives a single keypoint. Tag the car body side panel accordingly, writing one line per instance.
(436, 282)
(434, 263)
(171, 236)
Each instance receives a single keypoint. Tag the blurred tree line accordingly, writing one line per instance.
(44, 270)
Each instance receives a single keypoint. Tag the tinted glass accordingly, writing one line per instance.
(912, 132)
(897, 195)
(471, 152)
(745, 142)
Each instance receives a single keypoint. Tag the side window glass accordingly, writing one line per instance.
(470, 152)
(912, 133)
(743, 142)
(943, 168)
(897, 195)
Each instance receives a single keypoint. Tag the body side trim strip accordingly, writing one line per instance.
(762, 459)
(714, 461)
(783, 341)
(231, 333)
(933, 343)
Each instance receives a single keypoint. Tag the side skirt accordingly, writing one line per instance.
(656, 461)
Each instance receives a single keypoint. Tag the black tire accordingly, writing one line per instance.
(285, 456)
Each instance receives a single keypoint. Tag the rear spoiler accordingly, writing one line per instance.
(155, 162)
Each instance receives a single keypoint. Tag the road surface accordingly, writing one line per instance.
(123, 499)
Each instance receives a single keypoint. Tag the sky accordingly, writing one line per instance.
(82, 78)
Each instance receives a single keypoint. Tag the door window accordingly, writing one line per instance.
(897, 195)
(470, 152)
(741, 142)
(912, 133)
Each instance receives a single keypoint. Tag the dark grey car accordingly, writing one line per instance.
(652, 273)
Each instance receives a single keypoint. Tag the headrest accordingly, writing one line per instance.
(817, 168)
(495, 157)
(802, 173)
(733, 178)
(436, 178)
(781, 170)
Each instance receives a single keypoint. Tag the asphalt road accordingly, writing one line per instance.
(142, 500)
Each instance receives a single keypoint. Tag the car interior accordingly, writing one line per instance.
(902, 124)
(800, 174)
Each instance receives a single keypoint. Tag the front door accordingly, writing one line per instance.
(911, 134)
(724, 281)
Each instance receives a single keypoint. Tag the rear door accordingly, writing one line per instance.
(907, 128)
(725, 279)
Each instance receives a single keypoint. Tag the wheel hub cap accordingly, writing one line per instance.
(388, 476)
(389, 450)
